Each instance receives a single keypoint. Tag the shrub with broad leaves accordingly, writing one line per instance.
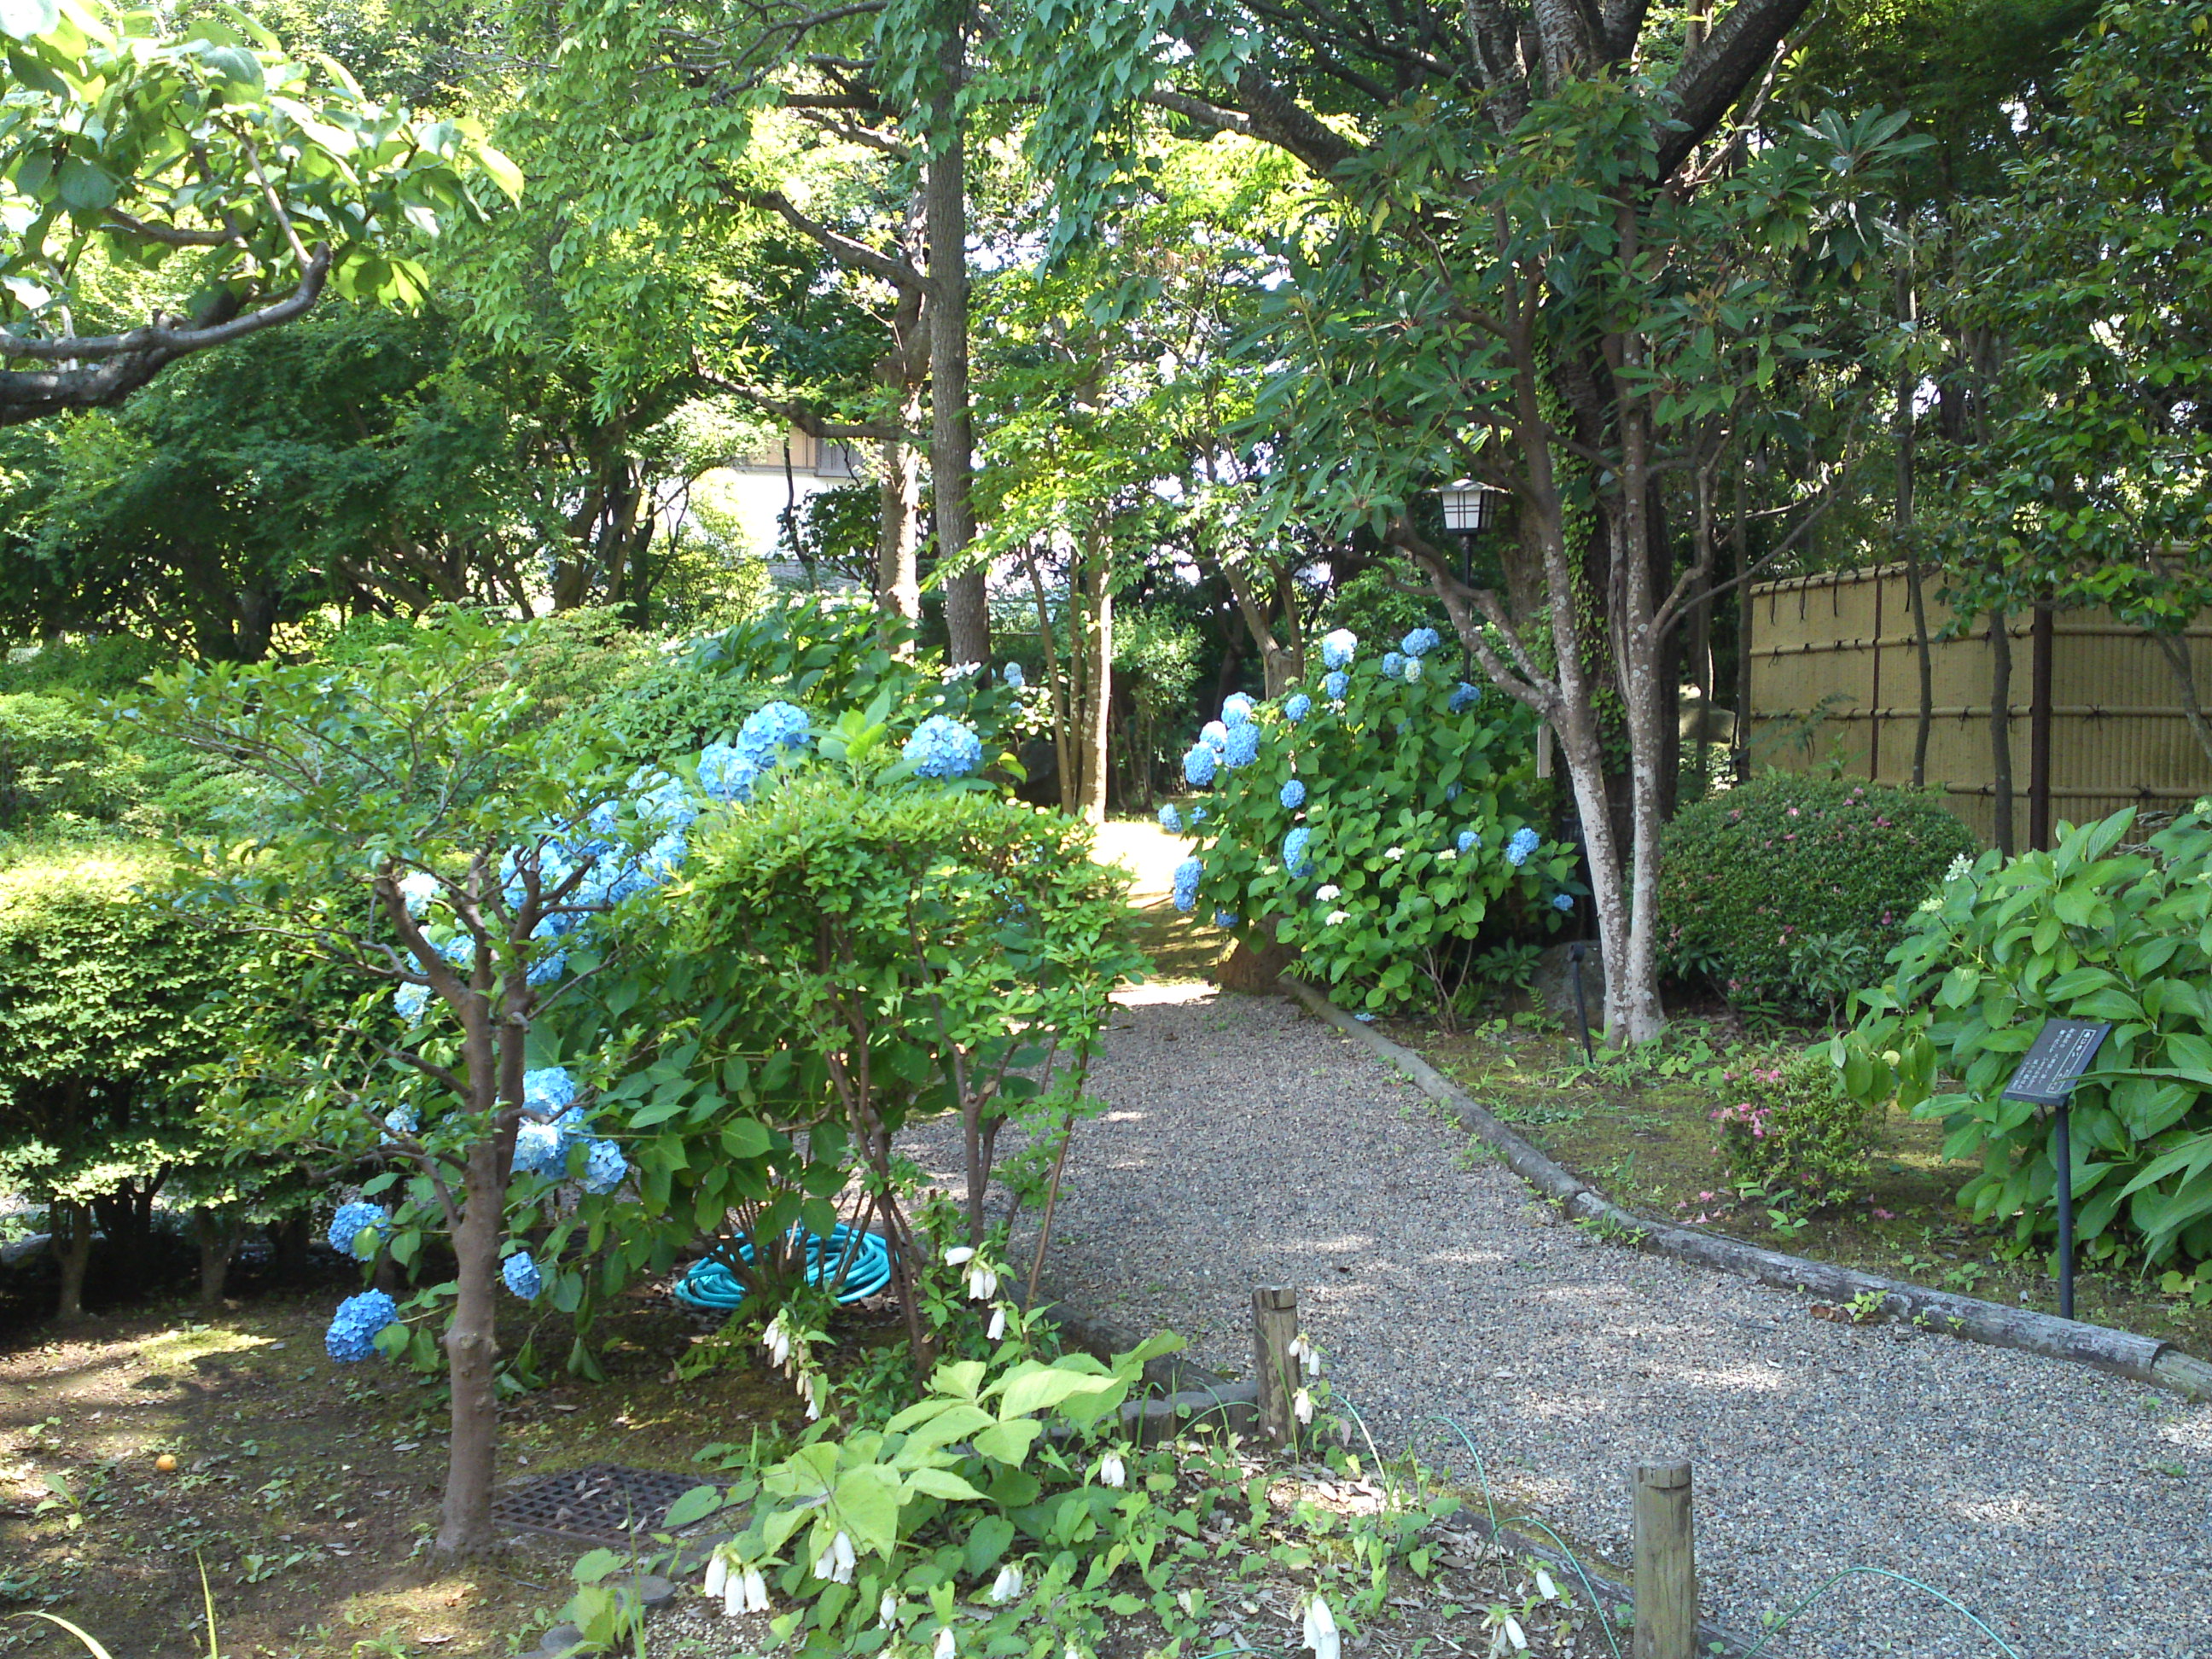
(2095, 930)
(1387, 832)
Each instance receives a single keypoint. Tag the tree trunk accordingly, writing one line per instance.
(71, 1225)
(471, 1348)
(2174, 648)
(218, 1237)
(2001, 729)
(951, 424)
(1097, 710)
(1901, 521)
(1740, 544)
(898, 580)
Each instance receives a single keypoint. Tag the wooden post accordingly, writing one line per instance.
(1666, 1563)
(1274, 1328)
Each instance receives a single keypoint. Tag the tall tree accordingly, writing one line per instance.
(269, 179)
(1558, 262)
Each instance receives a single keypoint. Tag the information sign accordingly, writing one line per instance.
(2062, 1050)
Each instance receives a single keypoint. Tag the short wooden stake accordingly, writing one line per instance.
(1666, 1563)
(1274, 1328)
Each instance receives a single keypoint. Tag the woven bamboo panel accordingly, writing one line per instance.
(1835, 679)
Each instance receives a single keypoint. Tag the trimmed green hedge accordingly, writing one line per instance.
(1781, 885)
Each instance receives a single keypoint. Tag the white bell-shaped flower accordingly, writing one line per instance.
(1007, 1585)
(756, 1590)
(887, 1611)
(959, 1255)
(1321, 1633)
(982, 1282)
(946, 1646)
(1112, 1471)
(718, 1574)
(998, 1324)
(843, 1559)
(1302, 1405)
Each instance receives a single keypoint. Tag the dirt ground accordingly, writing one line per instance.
(305, 1488)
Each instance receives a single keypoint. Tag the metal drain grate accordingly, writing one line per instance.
(598, 1503)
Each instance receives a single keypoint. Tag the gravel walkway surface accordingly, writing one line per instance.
(1248, 1143)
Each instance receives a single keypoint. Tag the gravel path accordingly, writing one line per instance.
(1248, 1143)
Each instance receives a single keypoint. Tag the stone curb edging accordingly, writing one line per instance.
(2144, 1358)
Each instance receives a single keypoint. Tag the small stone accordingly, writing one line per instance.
(561, 1639)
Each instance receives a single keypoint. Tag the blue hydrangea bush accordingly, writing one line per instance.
(1384, 823)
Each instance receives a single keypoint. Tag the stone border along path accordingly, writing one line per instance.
(1246, 1143)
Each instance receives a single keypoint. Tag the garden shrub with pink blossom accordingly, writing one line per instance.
(1789, 1135)
(1762, 887)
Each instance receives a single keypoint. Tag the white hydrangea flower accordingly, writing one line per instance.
(1448, 855)
(1335, 916)
(1328, 893)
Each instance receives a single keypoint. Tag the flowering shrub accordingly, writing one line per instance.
(1789, 1133)
(1763, 886)
(1378, 831)
(2088, 930)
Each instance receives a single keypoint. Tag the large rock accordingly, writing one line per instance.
(1552, 986)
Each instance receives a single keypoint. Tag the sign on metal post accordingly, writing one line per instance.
(2047, 1076)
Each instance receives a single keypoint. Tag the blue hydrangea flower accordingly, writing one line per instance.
(1011, 677)
(1336, 685)
(1525, 841)
(943, 748)
(399, 1124)
(1236, 709)
(1296, 707)
(522, 1276)
(1451, 792)
(1464, 697)
(1469, 842)
(352, 1335)
(458, 948)
(605, 1167)
(1338, 646)
(411, 1001)
(547, 1091)
(1198, 766)
(1186, 875)
(1411, 670)
(727, 773)
(418, 888)
(666, 804)
(1243, 747)
(541, 1149)
(772, 726)
(1170, 820)
(1214, 735)
(1394, 665)
(1294, 852)
(548, 969)
(1198, 815)
(1563, 901)
(351, 1221)
(1292, 795)
(1421, 642)
(1225, 918)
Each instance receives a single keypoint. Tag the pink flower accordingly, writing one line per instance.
(1793, 812)
(1881, 1214)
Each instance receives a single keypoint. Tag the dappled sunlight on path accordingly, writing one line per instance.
(1245, 1145)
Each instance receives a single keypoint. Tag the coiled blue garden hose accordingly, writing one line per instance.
(710, 1285)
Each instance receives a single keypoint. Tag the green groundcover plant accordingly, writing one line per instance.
(1382, 823)
(1773, 887)
(2096, 930)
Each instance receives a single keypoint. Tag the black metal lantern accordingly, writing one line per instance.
(1470, 508)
